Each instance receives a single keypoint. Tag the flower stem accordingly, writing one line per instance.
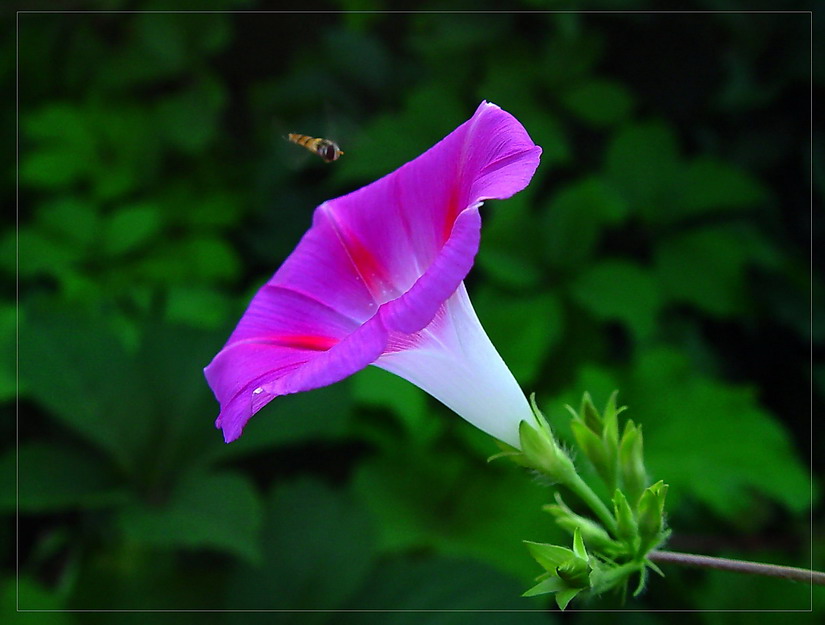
(586, 494)
(741, 566)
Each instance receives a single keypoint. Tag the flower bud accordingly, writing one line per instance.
(576, 572)
(592, 446)
(610, 418)
(651, 511)
(589, 415)
(631, 463)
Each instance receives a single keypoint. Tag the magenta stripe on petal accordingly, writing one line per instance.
(380, 260)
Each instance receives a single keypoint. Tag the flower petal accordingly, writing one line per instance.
(283, 344)
(405, 219)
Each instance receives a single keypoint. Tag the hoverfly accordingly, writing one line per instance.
(326, 149)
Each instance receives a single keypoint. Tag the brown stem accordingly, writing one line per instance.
(739, 566)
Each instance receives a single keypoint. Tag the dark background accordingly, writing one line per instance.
(663, 248)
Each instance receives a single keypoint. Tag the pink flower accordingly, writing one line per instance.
(377, 280)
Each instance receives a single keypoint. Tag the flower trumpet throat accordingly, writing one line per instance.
(378, 280)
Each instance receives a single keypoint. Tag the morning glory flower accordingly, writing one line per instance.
(378, 280)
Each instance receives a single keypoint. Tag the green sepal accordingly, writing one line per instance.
(578, 545)
(588, 413)
(551, 584)
(538, 414)
(507, 451)
(642, 582)
(654, 567)
(628, 529)
(563, 597)
(540, 451)
(548, 556)
(610, 419)
(504, 454)
(564, 594)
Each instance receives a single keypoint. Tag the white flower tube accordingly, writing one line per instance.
(453, 360)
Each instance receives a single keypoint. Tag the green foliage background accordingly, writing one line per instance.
(662, 249)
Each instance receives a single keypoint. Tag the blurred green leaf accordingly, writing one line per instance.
(509, 268)
(319, 416)
(461, 507)
(198, 307)
(501, 84)
(452, 35)
(643, 162)
(375, 387)
(620, 290)
(169, 368)
(220, 511)
(571, 54)
(52, 167)
(56, 478)
(128, 149)
(84, 378)
(708, 184)
(512, 248)
(121, 179)
(62, 122)
(393, 139)
(447, 587)
(63, 150)
(175, 40)
(214, 209)
(132, 578)
(211, 258)
(130, 227)
(599, 102)
(197, 258)
(523, 329)
(189, 119)
(706, 267)
(162, 37)
(691, 424)
(39, 254)
(317, 550)
(72, 219)
(576, 216)
(212, 32)
(25, 593)
(8, 340)
(362, 60)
